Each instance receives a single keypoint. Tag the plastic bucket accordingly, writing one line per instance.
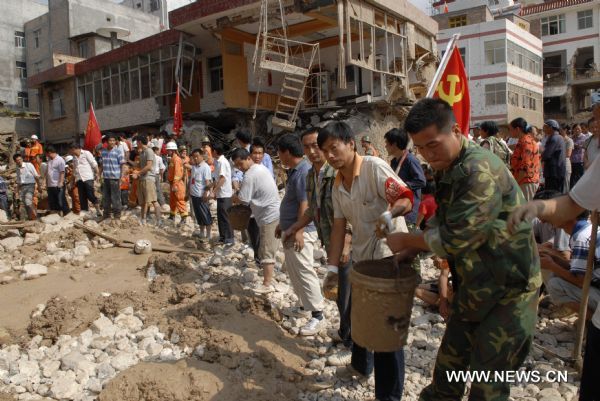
(239, 217)
(382, 301)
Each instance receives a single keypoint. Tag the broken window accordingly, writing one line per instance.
(376, 40)
(215, 73)
(459, 20)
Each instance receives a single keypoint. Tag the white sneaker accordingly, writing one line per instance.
(342, 358)
(313, 326)
(263, 289)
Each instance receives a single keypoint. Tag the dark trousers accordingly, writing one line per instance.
(576, 173)
(590, 391)
(343, 304)
(389, 371)
(124, 197)
(554, 184)
(57, 200)
(201, 211)
(254, 234)
(225, 230)
(86, 194)
(4, 203)
(111, 197)
(160, 195)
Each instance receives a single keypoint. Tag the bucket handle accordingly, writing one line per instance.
(397, 267)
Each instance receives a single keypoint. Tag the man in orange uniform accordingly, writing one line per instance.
(176, 178)
(34, 148)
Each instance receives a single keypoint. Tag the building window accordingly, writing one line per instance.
(493, 3)
(524, 59)
(553, 25)
(459, 20)
(154, 5)
(57, 103)
(36, 38)
(495, 94)
(21, 69)
(524, 98)
(23, 100)
(19, 39)
(495, 51)
(585, 19)
(37, 67)
(84, 51)
(215, 72)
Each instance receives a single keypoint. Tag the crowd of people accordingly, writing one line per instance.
(462, 200)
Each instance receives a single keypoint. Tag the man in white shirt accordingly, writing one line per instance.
(27, 177)
(55, 182)
(558, 211)
(159, 170)
(259, 191)
(200, 184)
(223, 192)
(86, 174)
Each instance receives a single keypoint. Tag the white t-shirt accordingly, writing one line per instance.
(159, 165)
(586, 194)
(592, 151)
(26, 174)
(260, 192)
(223, 169)
(123, 148)
(198, 179)
(55, 167)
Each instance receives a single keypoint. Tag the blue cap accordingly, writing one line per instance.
(553, 124)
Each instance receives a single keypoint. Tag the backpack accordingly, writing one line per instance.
(499, 148)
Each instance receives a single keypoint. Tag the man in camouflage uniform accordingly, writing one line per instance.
(368, 147)
(496, 274)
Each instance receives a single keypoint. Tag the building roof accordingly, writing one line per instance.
(204, 8)
(551, 5)
(55, 74)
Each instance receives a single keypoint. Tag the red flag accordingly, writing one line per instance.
(93, 136)
(445, 7)
(177, 116)
(454, 89)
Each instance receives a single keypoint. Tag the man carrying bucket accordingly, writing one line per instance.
(494, 309)
(363, 190)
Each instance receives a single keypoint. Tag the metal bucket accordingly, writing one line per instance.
(382, 301)
(239, 217)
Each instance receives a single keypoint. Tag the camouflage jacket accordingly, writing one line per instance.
(475, 197)
(322, 217)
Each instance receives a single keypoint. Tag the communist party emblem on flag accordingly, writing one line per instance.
(93, 136)
(454, 89)
(177, 116)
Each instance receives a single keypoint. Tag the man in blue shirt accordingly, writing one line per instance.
(112, 162)
(299, 251)
(554, 158)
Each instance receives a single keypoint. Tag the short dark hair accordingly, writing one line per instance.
(143, 139)
(240, 153)
(335, 130)
(490, 128)
(197, 151)
(218, 147)
(243, 136)
(258, 142)
(397, 137)
(520, 123)
(16, 155)
(309, 132)
(74, 145)
(291, 143)
(585, 215)
(428, 112)
(50, 149)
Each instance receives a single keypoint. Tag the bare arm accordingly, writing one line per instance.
(557, 212)
(336, 242)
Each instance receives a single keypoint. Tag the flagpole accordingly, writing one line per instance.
(438, 74)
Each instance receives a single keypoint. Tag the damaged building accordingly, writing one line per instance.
(569, 31)
(270, 65)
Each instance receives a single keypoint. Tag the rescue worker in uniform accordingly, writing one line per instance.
(176, 178)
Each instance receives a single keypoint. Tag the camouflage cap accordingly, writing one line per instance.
(205, 139)
(366, 139)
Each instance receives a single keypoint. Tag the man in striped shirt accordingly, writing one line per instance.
(112, 170)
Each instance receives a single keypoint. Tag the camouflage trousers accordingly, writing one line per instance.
(499, 343)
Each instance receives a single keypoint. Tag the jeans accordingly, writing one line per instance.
(111, 197)
(57, 200)
(343, 303)
(576, 173)
(160, 196)
(389, 371)
(201, 211)
(254, 234)
(590, 391)
(225, 230)
(86, 193)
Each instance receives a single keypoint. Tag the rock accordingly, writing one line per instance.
(122, 361)
(3, 216)
(71, 361)
(49, 368)
(4, 267)
(94, 385)
(249, 276)
(166, 355)
(31, 271)
(216, 261)
(81, 250)
(105, 371)
(199, 351)
(6, 279)
(65, 386)
(11, 243)
(89, 265)
(51, 219)
(31, 239)
(142, 246)
(186, 290)
(148, 332)
(30, 369)
(154, 349)
(104, 327)
(190, 244)
(423, 320)
(129, 322)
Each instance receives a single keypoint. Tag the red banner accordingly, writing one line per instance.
(177, 116)
(93, 136)
(454, 89)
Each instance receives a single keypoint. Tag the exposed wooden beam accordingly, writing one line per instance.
(236, 35)
(324, 18)
(324, 43)
(306, 27)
